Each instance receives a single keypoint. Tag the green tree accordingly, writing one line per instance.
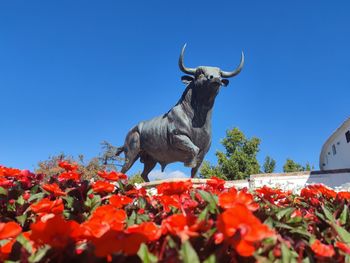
(269, 165)
(105, 161)
(291, 166)
(136, 178)
(239, 160)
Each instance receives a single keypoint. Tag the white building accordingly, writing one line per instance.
(335, 153)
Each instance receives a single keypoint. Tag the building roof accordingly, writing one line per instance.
(330, 140)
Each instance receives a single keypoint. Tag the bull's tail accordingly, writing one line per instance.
(120, 150)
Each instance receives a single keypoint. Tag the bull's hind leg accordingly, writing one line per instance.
(149, 164)
(131, 149)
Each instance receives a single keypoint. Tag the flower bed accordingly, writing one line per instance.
(67, 219)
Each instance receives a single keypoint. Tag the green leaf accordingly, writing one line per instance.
(11, 207)
(288, 256)
(171, 242)
(343, 234)
(284, 212)
(93, 203)
(25, 243)
(69, 200)
(36, 196)
(210, 259)
(344, 215)
(88, 202)
(188, 254)
(132, 219)
(40, 253)
(34, 189)
(204, 214)
(269, 222)
(145, 255)
(328, 214)
(3, 191)
(301, 231)
(142, 218)
(20, 200)
(210, 199)
(21, 219)
(321, 216)
(282, 225)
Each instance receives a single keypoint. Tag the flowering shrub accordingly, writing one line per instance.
(66, 219)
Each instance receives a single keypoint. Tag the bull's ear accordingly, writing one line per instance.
(186, 79)
(225, 82)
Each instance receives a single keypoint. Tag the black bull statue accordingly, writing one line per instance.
(183, 134)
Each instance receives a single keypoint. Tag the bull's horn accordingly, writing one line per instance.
(229, 74)
(189, 71)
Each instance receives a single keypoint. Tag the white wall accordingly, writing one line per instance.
(295, 182)
(341, 158)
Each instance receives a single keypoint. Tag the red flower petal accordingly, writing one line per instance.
(10, 229)
(321, 249)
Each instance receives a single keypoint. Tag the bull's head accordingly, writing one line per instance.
(208, 78)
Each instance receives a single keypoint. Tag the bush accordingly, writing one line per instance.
(64, 218)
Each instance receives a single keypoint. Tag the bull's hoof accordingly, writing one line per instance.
(192, 163)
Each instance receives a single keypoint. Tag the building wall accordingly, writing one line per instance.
(335, 153)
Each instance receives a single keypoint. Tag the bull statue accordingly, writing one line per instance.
(183, 134)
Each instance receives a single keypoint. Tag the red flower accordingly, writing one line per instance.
(112, 176)
(102, 187)
(149, 229)
(174, 188)
(168, 201)
(114, 241)
(187, 202)
(216, 184)
(55, 231)
(70, 175)
(343, 195)
(229, 199)
(242, 229)
(137, 193)
(4, 182)
(102, 220)
(119, 201)
(10, 229)
(68, 166)
(11, 172)
(180, 225)
(296, 213)
(6, 249)
(316, 190)
(26, 195)
(271, 195)
(343, 247)
(54, 189)
(321, 249)
(46, 206)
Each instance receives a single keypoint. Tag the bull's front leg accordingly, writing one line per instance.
(184, 144)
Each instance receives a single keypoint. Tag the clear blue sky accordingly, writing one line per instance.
(74, 73)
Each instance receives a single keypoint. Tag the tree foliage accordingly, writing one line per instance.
(105, 161)
(292, 166)
(269, 165)
(239, 159)
(136, 179)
